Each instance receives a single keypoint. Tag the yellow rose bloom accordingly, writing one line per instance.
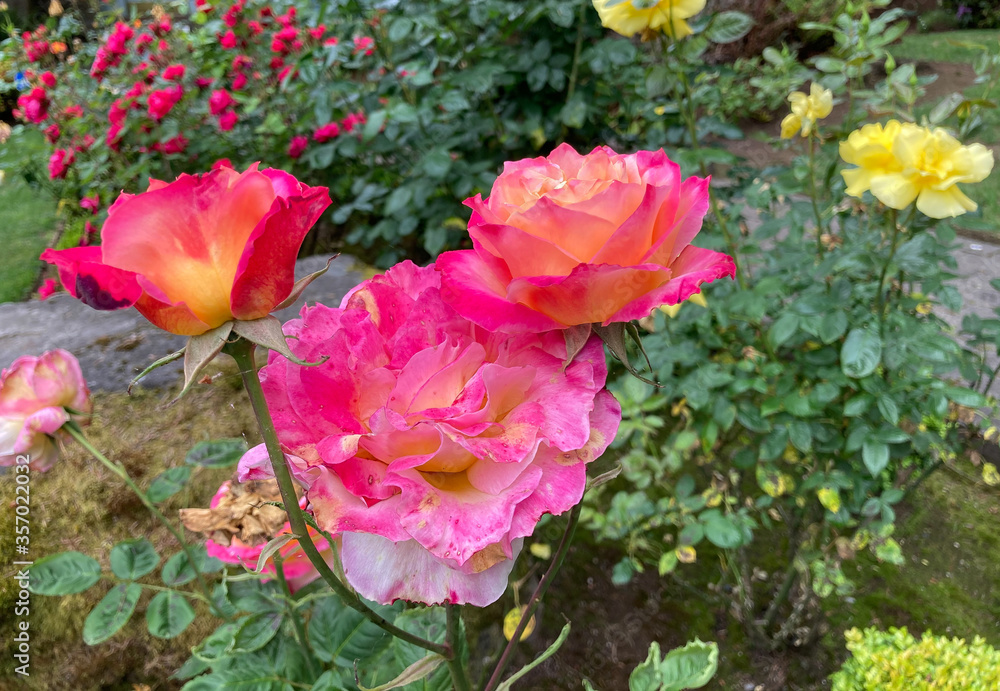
(806, 110)
(629, 17)
(905, 163)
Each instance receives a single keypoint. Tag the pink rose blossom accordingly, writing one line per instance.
(228, 120)
(52, 133)
(316, 33)
(47, 289)
(38, 395)
(48, 79)
(432, 446)
(326, 132)
(220, 100)
(174, 145)
(364, 44)
(239, 82)
(59, 163)
(34, 105)
(203, 82)
(228, 40)
(72, 112)
(162, 101)
(91, 203)
(575, 239)
(174, 73)
(332, 41)
(297, 146)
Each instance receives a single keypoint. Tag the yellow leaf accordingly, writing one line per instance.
(990, 475)
(540, 550)
(686, 554)
(513, 618)
(829, 497)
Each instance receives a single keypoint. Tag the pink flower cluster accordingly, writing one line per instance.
(34, 105)
(111, 52)
(35, 46)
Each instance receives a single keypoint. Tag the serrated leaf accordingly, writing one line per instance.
(64, 573)
(690, 667)
(111, 613)
(178, 570)
(340, 634)
(256, 631)
(168, 483)
(131, 559)
(168, 614)
(419, 670)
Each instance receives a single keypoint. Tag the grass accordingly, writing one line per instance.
(946, 46)
(29, 216)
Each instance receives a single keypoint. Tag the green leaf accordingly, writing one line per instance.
(875, 454)
(178, 570)
(436, 163)
(256, 631)
(857, 405)
(727, 27)
(966, 397)
(400, 28)
(832, 326)
(722, 532)
(890, 411)
(111, 613)
(374, 125)
(220, 453)
(861, 353)
(64, 573)
(340, 634)
(168, 614)
(690, 667)
(508, 683)
(659, 81)
(800, 434)
(168, 483)
(419, 670)
(131, 559)
(783, 328)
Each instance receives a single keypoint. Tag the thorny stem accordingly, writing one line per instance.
(532, 604)
(242, 351)
(119, 470)
(293, 613)
(459, 677)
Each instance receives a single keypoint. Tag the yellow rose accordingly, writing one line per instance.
(806, 110)
(903, 163)
(629, 17)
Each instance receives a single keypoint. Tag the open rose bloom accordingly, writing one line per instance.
(430, 445)
(198, 252)
(239, 524)
(577, 239)
(38, 395)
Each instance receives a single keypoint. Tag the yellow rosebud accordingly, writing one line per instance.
(630, 17)
(540, 550)
(904, 163)
(513, 618)
(806, 110)
(686, 554)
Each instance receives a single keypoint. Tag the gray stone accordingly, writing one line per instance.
(115, 346)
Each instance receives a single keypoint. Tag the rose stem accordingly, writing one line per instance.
(458, 675)
(293, 613)
(242, 351)
(119, 470)
(532, 604)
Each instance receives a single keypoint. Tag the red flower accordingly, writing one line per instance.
(47, 288)
(34, 105)
(278, 46)
(317, 32)
(222, 163)
(297, 146)
(48, 79)
(285, 72)
(228, 40)
(332, 41)
(174, 73)
(142, 41)
(92, 203)
(59, 163)
(289, 33)
(162, 101)
(364, 44)
(227, 120)
(203, 82)
(72, 112)
(240, 61)
(326, 132)
(220, 100)
(239, 81)
(256, 28)
(174, 145)
(52, 133)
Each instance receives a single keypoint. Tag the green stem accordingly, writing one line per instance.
(241, 350)
(812, 194)
(119, 470)
(529, 609)
(293, 614)
(459, 676)
(880, 298)
(575, 70)
(158, 588)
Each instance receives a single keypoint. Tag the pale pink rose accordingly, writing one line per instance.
(298, 570)
(430, 444)
(577, 239)
(38, 395)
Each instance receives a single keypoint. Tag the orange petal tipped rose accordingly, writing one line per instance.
(575, 239)
(195, 253)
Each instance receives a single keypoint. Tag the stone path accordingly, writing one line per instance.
(115, 346)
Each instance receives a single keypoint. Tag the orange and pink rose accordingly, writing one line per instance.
(195, 253)
(574, 239)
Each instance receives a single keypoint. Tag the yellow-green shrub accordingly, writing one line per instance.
(894, 660)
